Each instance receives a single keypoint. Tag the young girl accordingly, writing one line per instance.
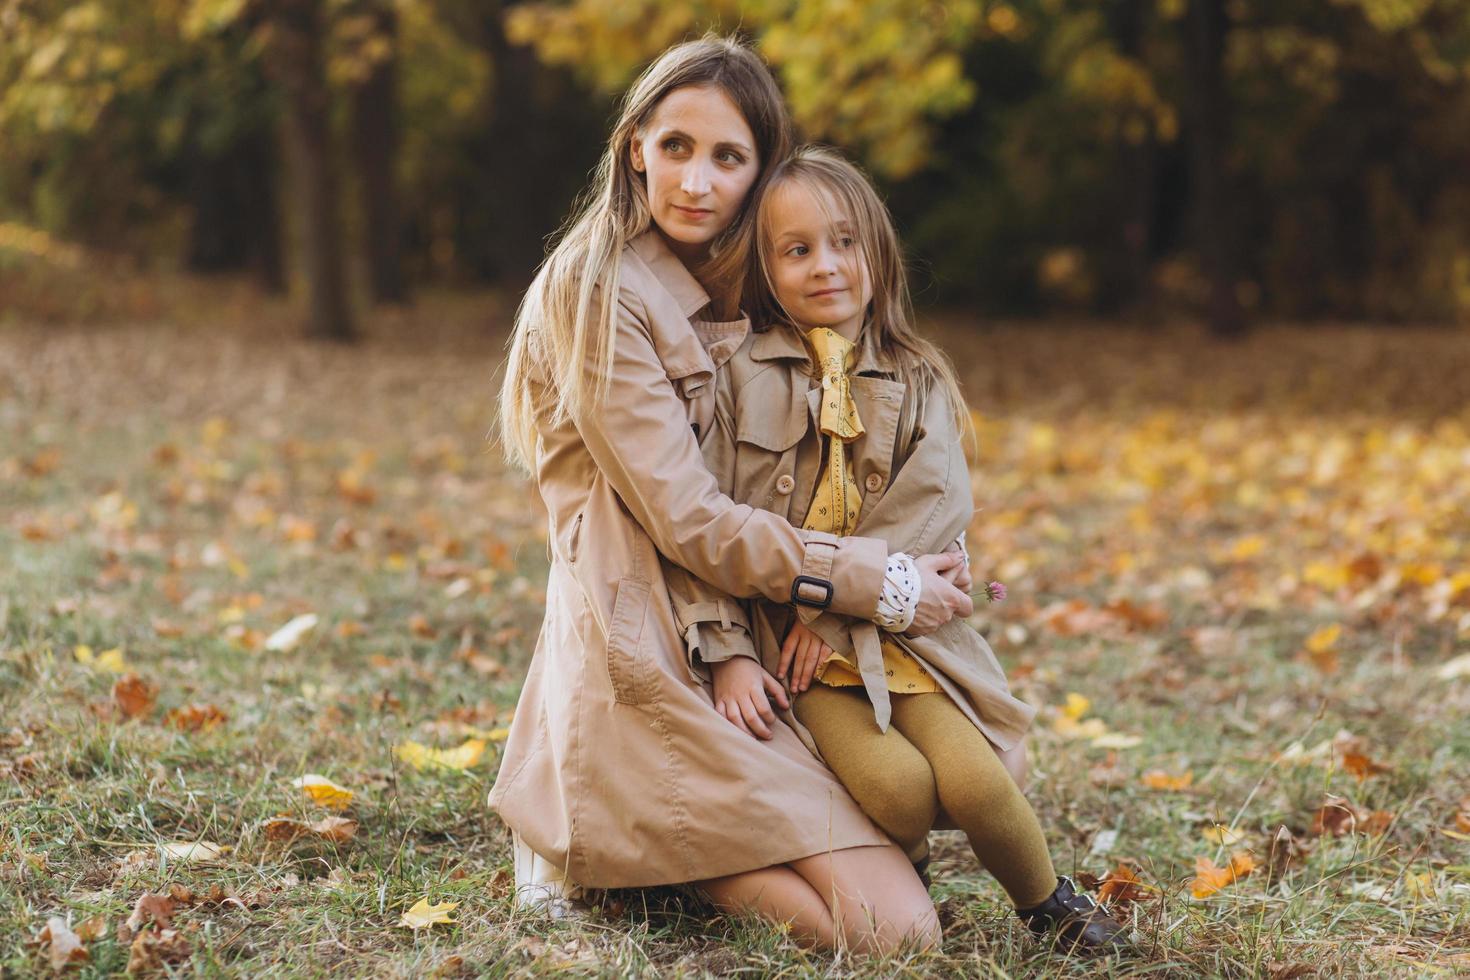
(838, 416)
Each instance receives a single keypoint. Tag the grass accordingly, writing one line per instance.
(1177, 523)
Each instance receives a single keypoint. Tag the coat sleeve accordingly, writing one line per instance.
(715, 625)
(640, 439)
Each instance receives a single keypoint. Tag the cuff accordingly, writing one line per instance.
(899, 600)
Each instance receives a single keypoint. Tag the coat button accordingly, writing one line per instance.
(785, 484)
(874, 483)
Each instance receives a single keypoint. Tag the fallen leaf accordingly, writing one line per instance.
(133, 695)
(1161, 780)
(1420, 886)
(1286, 851)
(62, 946)
(1121, 888)
(110, 661)
(337, 830)
(288, 637)
(1324, 639)
(1455, 668)
(192, 852)
(423, 915)
(152, 950)
(1224, 836)
(195, 717)
(323, 791)
(1209, 879)
(151, 909)
(1076, 706)
(422, 757)
(419, 624)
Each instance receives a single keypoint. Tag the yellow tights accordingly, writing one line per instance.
(931, 758)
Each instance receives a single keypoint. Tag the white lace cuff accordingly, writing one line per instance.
(900, 597)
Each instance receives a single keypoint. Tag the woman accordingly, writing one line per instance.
(618, 772)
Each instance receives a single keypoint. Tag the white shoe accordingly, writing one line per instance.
(543, 887)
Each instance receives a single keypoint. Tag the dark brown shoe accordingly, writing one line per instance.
(1081, 925)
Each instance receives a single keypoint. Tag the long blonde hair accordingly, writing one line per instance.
(555, 325)
(842, 190)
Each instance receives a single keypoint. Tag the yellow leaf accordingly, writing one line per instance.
(1077, 705)
(1158, 779)
(1208, 879)
(1067, 727)
(1324, 639)
(1224, 836)
(424, 915)
(110, 661)
(1247, 547)
(323, 791)
(1420, 887)
(422, 757)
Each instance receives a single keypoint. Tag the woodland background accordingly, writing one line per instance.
(267, 598)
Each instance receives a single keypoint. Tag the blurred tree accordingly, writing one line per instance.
(371, 30)
(1206, 25)
(295, 58)
(871, 75)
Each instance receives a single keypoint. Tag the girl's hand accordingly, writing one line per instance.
(803, 652)
(741, 689)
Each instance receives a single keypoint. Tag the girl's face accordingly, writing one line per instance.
(816, 267)
(699, 157)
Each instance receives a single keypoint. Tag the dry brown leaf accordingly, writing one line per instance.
(419, 624)
(152, 950)
(151, 909)
(1362, 766)
(63, 947)
(196, 717)
(1122, 887)
(1286, 851)
(133, 696)
(337, 830)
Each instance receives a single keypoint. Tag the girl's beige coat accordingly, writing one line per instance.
(765, 449)
(617, 767)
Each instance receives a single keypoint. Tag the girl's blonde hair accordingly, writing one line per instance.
(845, 193)
(560, 324)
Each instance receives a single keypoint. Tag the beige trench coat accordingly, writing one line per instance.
(618, 768)
(766, 449)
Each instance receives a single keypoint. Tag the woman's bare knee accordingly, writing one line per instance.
(878, 903)
(778, 895)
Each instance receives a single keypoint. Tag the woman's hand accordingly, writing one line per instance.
(959, 576)
(803, 652)
(741, 688)
(939, 601)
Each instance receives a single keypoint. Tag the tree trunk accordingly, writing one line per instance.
(1205, 25)
(297, 62)
(375, 144)
(1137, 158)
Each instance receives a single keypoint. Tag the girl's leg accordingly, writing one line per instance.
(887, 776)
(779, 895)
(878, 903)
(979, 795)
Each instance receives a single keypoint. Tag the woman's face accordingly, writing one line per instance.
(816, 266)
(699, 158)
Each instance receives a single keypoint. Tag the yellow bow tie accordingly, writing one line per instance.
(839, 416)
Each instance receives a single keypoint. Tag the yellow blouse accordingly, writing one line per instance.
(838, 500)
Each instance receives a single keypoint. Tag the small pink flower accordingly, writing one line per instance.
(995, 592)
